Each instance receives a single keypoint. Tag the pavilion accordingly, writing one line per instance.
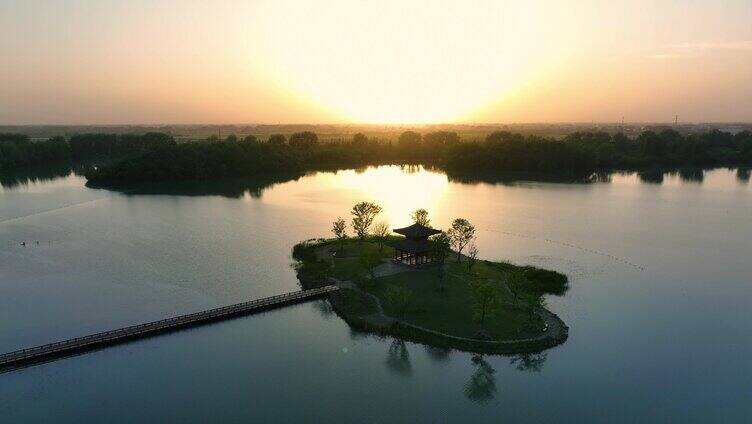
(414, 249)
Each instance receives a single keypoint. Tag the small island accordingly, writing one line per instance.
(429, 286)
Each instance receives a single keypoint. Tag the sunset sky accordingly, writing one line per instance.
(343, 61)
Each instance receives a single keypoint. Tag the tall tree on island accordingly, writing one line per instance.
(381, 232)
(461, 233)
(440, 249)
(420, 216)
(363, 215)
(485, 299)
(339, 228)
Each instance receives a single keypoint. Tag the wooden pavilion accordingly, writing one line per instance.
(414, 249)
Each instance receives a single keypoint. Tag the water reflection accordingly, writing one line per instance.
(692, 175)
(481, 387)
(512, 178)
(438, 354)
(742, 175)
(32, 175)
(398, 358)
(651, 177)
(530, 362)
(324, 307)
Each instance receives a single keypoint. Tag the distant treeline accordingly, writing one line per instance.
(156, 156)
(17, 150)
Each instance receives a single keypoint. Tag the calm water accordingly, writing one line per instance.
(661, 286)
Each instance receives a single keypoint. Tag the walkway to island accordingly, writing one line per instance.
(50, 351)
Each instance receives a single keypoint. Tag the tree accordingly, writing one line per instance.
(232, 138)
(369, 260)
(363, 215)
(440, 249)
(409, 140)
(304, 139)
(399, 298)
(516, 282)
(250, 139)
(381, 231)
(339, 228)
(534, 303)
(359, 139)
(472, 256)
(438, 139)
(461, 233)
(420, 216)
(485, 298)
(277, 139)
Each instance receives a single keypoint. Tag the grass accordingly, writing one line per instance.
(449, 310)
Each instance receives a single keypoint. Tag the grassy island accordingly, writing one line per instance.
(437, 305)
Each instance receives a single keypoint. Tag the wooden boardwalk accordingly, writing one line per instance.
(63, 348)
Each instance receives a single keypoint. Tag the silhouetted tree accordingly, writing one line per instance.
(409, 140)
(359, 139)
(381, 232)
(460, 234)
(440, 249)
(339, 228)
(420, 216)
(363, 215)
(304, 139)
(277, 139)
(250, 138)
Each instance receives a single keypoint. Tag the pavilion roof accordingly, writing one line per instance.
(416, 231)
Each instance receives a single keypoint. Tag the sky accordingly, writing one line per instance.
(352, 61)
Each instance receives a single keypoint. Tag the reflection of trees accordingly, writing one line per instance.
(742, 174)
(693, 175)
(438, 354)
(512, 178)
(651, 177)
(324, 307)
(398, 358)
(481, 387)
(532, 362)
(33, 174)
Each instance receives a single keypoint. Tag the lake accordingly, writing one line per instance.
(658, 307)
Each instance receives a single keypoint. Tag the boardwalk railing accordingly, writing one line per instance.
(113, 336)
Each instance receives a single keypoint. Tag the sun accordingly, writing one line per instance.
(403, 62)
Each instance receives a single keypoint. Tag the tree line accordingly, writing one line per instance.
(18, 150)
(156, 156)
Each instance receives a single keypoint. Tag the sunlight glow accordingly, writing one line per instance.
(420, 62)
